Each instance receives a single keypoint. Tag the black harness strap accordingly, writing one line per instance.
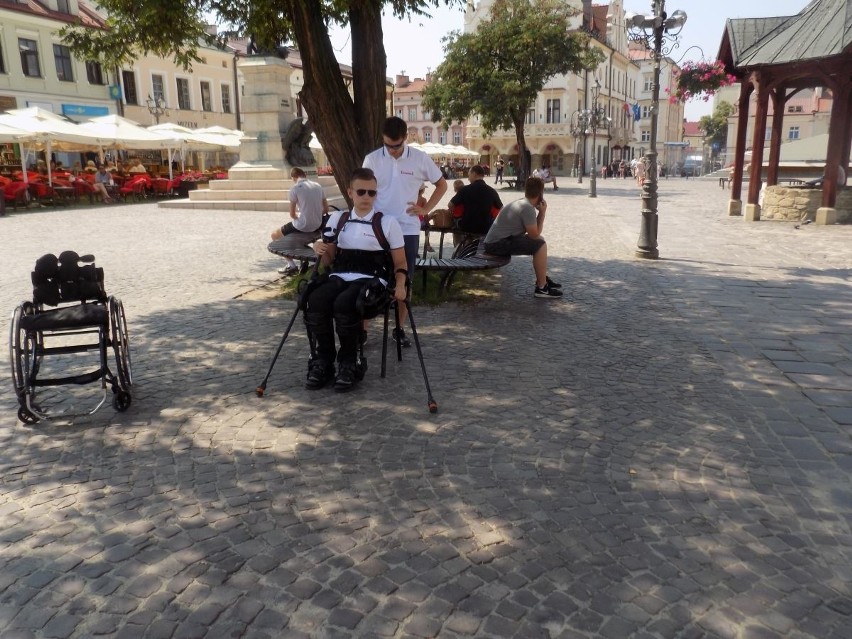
(376, 223)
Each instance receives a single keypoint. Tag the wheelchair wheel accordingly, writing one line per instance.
(121, 401)
(23, 352)
(120, 343)
(26, 416)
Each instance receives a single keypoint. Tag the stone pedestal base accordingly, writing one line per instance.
(752, 213)
(735, 208)
(826, 215)
(259, 171)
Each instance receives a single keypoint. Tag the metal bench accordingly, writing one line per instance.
(296, 247)
(469, 255)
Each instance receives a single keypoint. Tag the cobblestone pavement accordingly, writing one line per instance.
(663, 453)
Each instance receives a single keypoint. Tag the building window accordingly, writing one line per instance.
(649, 83)
(427, 135)
(128, 79)
(95, 73)
(426, 114)
(183, 94)
(553, 112)
(794, 108)
(226, 98)
(2, 61)
(531, 116)
(206, 97)
(793, 133)
(29, 57)
(442, 139)
(63, 6)
(399, 113)
(158, 88)
(412, 114)
(646, 111)
(456, 136)
(62, 57)
(767, 136)
(646, 136)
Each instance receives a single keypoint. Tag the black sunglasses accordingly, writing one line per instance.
(395, 146)
(363, 192)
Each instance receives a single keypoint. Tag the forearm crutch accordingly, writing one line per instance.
(433, 405)
(300, 300)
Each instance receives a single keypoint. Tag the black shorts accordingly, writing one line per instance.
(515, 245)
(289, 228)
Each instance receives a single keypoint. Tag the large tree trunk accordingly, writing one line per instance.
(347, 130)
(370, 88)
(523, 159)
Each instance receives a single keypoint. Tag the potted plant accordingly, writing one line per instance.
(699, 79)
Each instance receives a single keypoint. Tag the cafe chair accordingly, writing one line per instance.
(69, 318)
(16, 194)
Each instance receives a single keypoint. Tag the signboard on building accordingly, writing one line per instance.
(8, 102)
(84, 110)
(114, 92)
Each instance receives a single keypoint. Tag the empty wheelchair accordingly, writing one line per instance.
(69, 317)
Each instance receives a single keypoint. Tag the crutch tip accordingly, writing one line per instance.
(260, 390)
(433, 407)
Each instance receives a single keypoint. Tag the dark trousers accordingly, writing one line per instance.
(332, 305)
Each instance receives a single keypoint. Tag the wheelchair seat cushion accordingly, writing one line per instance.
(81, 316)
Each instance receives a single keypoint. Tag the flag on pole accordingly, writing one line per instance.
(636, 112)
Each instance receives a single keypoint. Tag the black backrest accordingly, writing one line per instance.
(67, 278)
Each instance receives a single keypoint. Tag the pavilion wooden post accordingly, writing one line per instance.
(735, 205)
(847, 136)
(779, 100)
(837, 127)
(752, 208)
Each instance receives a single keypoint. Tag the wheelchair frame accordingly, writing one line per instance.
(79, 307)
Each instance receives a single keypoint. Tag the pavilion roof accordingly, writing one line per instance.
(823, 29)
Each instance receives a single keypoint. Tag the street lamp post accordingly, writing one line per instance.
(579, 122)
(658, 32)
(156, 107)
(597, 119)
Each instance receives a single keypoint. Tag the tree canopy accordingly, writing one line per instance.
(715, 126)
(497, 71)
(348, 127)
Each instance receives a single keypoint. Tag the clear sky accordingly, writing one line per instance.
(414, 46)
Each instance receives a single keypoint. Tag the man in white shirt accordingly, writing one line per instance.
(546, 176)
(400, 171)
(358, 256)
(308, 197)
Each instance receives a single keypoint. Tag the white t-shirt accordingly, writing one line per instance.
(399, 181)
(357, 233)
(308, 197)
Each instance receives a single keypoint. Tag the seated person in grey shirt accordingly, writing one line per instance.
(517, 231)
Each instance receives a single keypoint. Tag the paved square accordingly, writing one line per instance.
(665, 452)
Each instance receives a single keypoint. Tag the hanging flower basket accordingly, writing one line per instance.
(699, 79)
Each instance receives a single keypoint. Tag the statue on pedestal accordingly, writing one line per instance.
(295, 144)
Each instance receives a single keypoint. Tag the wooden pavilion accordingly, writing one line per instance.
(776, 58)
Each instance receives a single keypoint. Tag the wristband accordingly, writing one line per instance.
(401, 270)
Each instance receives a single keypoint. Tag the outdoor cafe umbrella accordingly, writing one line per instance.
(185, 140)
(120, 133)
(224, 139)
(50, 131)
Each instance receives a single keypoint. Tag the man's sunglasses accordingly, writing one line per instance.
(363, 192)
(395, 146)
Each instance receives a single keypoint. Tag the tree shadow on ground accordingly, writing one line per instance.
(592, 469)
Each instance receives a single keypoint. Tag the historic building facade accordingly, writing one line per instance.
(670, 143)
(36, 69)
(548, 130)
(407, 104)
